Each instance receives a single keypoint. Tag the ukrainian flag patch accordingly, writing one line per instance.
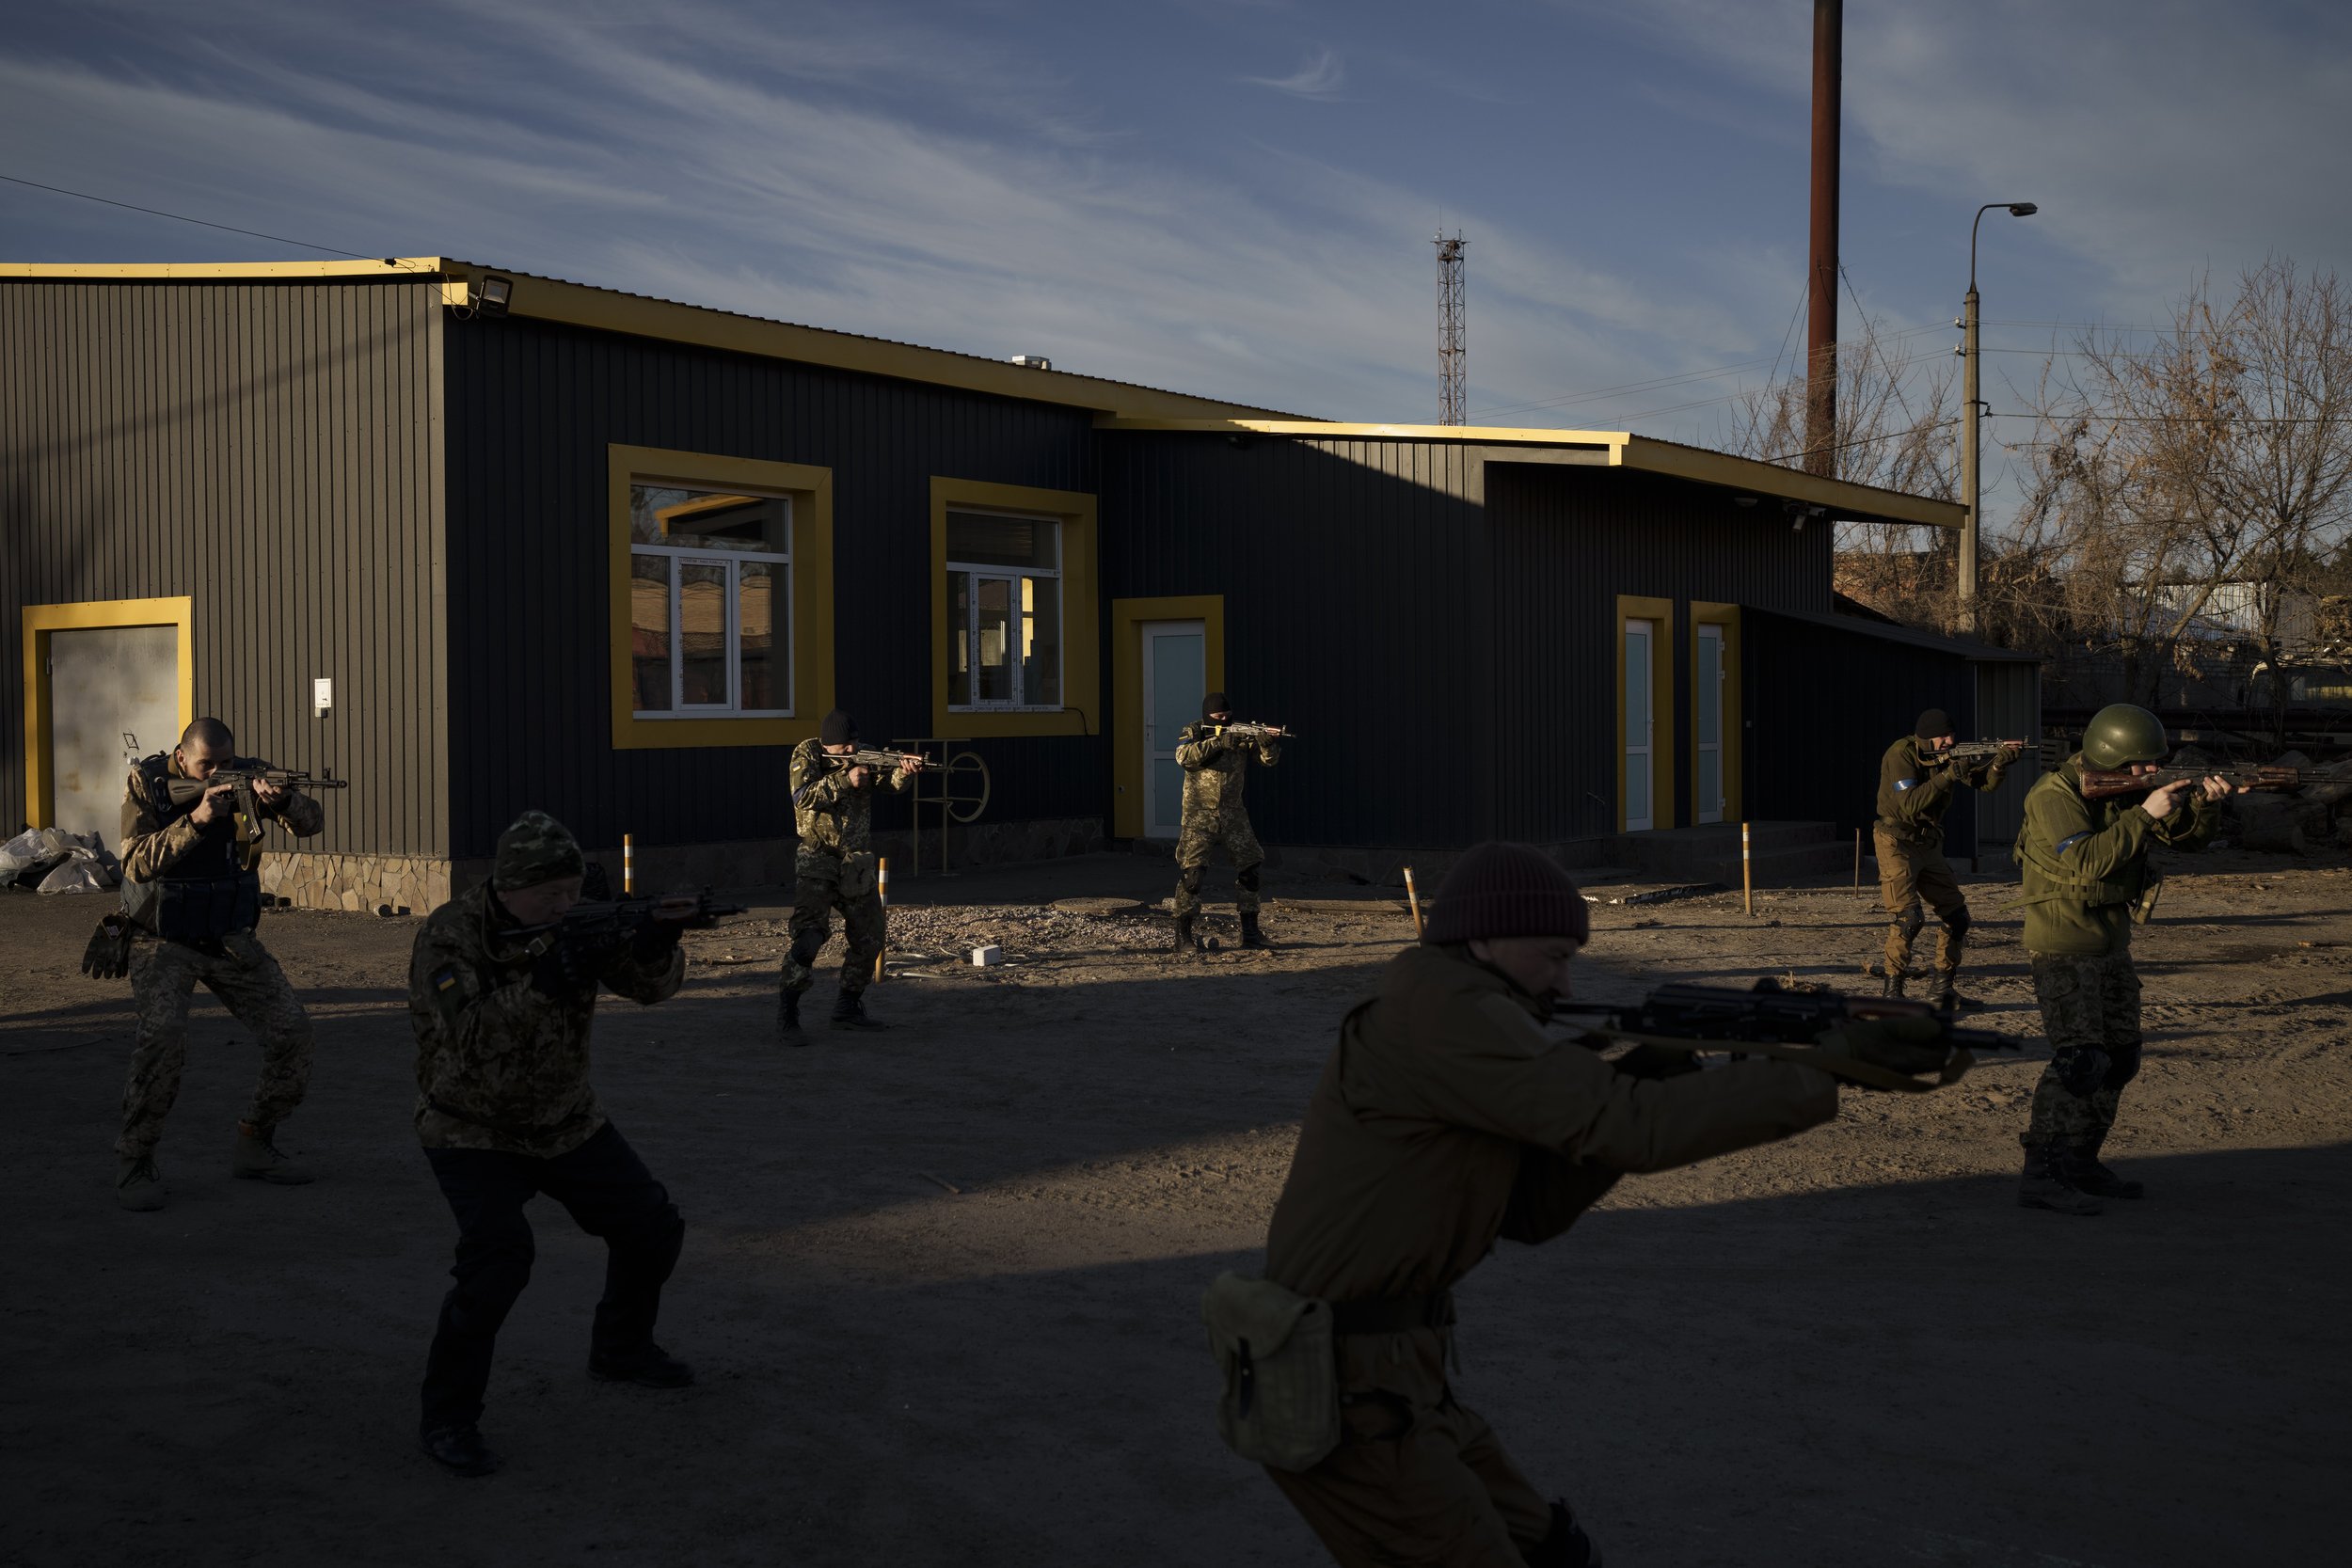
(445, 980)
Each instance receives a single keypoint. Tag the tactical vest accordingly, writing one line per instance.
(208, 893)
(2050, 880)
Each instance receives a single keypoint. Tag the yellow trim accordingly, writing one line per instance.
(1707, 613)
(42, 619)
(1661, 706)
(1127, 618)
(250, 271)
(1081, 711)
(811, 489)
(1625, 450)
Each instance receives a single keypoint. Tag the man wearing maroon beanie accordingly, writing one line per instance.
(1447, 1118)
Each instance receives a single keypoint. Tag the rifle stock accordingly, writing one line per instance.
(2111, 784)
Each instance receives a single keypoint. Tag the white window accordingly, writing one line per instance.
(710, 602)
(1004, 611)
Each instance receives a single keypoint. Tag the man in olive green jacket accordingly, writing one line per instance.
(1916, 779)
(2086, 883)
(1446, 1118)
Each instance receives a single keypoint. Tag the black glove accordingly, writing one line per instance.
(108, 955)
(652, 942)
(564, 971)
(1909, 1045)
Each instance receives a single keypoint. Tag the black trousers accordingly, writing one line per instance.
(608, 1192)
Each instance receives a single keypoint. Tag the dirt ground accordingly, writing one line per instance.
(941, 1284)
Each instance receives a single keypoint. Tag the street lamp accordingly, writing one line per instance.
(1968, 458)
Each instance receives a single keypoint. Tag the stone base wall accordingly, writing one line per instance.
(369, 884)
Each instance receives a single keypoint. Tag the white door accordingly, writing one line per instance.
(1175, 678)
(1640, 639)
(107, 683)
(1707, 708)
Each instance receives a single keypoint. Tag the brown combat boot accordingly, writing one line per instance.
(2045, 1186)
(258, 1158)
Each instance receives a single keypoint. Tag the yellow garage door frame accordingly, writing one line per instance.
(1127, 618)
(42, 619)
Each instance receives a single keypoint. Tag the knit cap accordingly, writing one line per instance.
(1934, 726)
(1215, 703)
(1506, 890)
(837, 729)
(536, 849)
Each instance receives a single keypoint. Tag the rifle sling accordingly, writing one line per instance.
(1813, 1056)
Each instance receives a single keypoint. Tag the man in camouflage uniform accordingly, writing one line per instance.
(1214, 816)
(1916, 783)
(505, 1111)
(834, 868)
(192, 893)
(2086, 883)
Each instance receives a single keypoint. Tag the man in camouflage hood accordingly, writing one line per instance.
(501, 1002)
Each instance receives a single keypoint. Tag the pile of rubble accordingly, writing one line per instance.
(1020, 929)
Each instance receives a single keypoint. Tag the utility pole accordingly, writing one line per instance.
(1452, 352)
(1821, 315)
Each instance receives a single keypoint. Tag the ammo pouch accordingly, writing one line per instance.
(861, 874)
(1280, 1403)
(195, 911)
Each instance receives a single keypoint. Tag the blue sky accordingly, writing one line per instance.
(1227, 197)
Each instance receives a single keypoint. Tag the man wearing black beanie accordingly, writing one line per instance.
(1215, 755)
(1916, 779)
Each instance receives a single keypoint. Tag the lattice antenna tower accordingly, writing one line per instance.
(1452, 352)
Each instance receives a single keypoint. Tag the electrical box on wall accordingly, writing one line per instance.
(322, 696)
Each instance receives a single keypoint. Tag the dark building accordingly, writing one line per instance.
(481, 540)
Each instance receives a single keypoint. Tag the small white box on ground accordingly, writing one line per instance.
(983, 956)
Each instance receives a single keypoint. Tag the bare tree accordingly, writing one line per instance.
(1894, 421)
(2204, 478)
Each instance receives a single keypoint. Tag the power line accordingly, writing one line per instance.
(204, 223)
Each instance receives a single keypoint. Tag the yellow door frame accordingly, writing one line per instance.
(1127, 618)
(42, 619)
(1706, 613)
(1662, 667)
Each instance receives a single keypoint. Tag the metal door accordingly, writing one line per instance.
(1640, 637)
(1707, 711)
(1175, 678)
(104, 683)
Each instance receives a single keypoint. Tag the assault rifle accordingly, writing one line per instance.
(1250, 733)
(2110, 784)
(595, 929)
(1769, 1020)
(1979, 750)
(187, 792)
(881, 762)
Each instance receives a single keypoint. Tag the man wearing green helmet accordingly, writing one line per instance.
(2087, 883)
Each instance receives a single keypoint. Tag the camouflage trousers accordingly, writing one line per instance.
(164, 977)
(821, 885)
(1909, 875)
(1201, 835)
(2090, 1012)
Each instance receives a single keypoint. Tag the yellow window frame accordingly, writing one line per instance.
(811, 492)
(1707, 613)
(1664, 669)
(1127, 618)
(1081, 611)
(40, 620)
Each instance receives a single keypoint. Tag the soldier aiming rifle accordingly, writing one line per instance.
(832, 782)
(1215, 754)
(1916, 778)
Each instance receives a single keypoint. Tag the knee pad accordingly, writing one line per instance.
(1247, 876)
(807, 946)
(1910, 922)
(1188, 877)
(2079, 1069)
(2122, 1066)
(1957, 921)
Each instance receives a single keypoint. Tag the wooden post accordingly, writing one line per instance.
(1857, 859)
(1747, 873)
(882, 890)
(629, 866)
(1413, 898)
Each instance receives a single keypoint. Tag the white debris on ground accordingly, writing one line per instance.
(921, 933)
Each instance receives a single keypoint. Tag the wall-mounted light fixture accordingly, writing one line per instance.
(492, 294)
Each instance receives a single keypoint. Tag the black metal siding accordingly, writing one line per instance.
(271, 452)
(533, 409)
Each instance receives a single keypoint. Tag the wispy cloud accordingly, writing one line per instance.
(1321, 75)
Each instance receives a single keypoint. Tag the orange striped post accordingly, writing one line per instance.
(1747, 873)
(629, 864)
(882, 891)
(1413, 898)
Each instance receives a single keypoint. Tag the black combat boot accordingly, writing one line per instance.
(789, 1031)
(1948, 997)
(1893, 984)
(650, 1367)
(1565, 1546)
(2085, 1171)
(460, 1450)
(848, 1012)
(1250, 935)
(2046, 1185)
(1185, 941)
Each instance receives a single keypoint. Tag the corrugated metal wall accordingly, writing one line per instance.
(533, 409)
(270, 450)
(1436, 620)
(2009, 706)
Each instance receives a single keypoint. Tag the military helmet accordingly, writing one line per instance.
(2119, 734)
